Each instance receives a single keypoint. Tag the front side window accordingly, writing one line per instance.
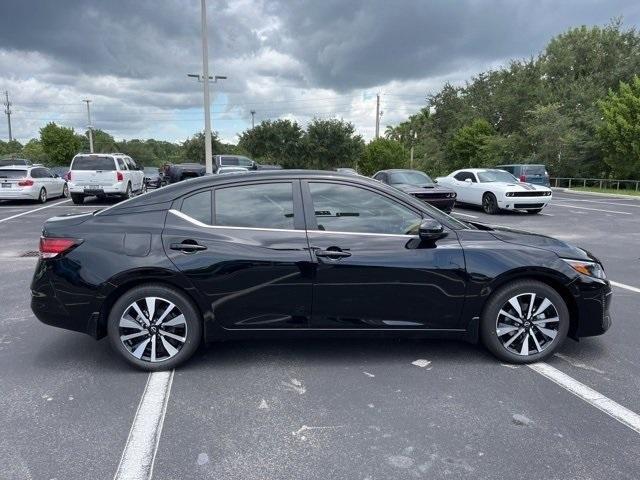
(198, 206)
(268, 205)
(346, 208)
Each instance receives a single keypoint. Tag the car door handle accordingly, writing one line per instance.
(187, 246)
(333, 254)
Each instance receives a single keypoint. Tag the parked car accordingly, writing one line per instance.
(223, 170)
(529, 173)
(153, 178)
(31, 183)
(496, 190)
(420, 185)
(104, 175)
(292, 252)
(176, 172)
(8, 162)
(346, 170)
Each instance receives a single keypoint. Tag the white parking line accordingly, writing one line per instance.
(465, 215)
(622, 285)
(140, 450)
(637, 205)
(31, 211)
(594, 209)
(589, 395)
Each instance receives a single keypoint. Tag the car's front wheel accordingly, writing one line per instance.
(65, 191)
(490, 204)
(154, 327)
(524, 321)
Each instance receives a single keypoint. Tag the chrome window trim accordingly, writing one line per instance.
(198, 223)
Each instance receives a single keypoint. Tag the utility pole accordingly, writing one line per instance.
(377, 115)
(7, 110)
(208, 158)
(253, 115)
(89, 126)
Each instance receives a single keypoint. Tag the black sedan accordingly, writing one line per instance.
(153, 177)
(299, 252)
(420, 185)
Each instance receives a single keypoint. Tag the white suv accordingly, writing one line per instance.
(104, 175)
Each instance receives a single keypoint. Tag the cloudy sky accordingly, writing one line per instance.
(283, 58)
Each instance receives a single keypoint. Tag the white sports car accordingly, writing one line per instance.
(496, 190)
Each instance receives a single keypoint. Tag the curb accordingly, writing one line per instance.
(596, 194)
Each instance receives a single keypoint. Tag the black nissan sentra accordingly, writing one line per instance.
(299, 253)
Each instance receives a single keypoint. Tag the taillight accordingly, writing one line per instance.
(67, 176)
(523, 178)
(27, 182)
(119, 176)
(51, 247)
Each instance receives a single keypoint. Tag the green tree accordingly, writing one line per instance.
(277, 142)
(102, 142)
(620, 129)
(33, 151)
(193, 148)
(60, 144)
(11, 148)
(381, 154)
(467, 146)
(332, 143)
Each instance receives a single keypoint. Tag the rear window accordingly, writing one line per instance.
(93, 163)
(13, 173)
(533, 169)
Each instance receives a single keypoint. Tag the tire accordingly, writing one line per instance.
(42, 196)
(77, 199)
(129, 193)
(543, 334)
(534, 211)
(490, 204)
(65, 191)
(170, 351)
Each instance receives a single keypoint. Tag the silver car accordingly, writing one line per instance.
(20, 182)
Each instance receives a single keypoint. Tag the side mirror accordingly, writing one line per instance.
(431, 230)
(468, 180)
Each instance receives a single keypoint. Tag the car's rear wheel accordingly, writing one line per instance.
(525, 321)
(534, 210)
(42, 196)
(129, 192)
(77, 199)
(490, 204)
(154, 327)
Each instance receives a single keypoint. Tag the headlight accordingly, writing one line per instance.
(591, 269)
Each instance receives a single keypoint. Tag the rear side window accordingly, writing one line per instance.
(93, 162)
(13, 173)
(533, 170)
(229, 161)
(198, 206)
(268, 205)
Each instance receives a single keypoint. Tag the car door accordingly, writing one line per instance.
(462, 187)
(371, 269)
(475, 190)
(56, 184)
(244, 248)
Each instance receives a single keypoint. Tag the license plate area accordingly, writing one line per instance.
(6, 185)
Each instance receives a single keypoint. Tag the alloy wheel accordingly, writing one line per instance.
(43, 196)
(65, 191)
(153, 329)
(527, 324)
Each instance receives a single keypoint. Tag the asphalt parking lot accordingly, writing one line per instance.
(366, 409)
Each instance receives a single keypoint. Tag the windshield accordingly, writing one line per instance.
(496, 176)
(418, 179)
(6, 162)
(13, 173)
(93, 162)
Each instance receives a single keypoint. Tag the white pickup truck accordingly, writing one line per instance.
(104, 175)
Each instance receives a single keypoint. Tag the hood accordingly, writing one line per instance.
(417, 189)
(523, 186)
(521, 237)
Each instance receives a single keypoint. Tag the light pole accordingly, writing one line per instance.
(253, 116)
(89, 127)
